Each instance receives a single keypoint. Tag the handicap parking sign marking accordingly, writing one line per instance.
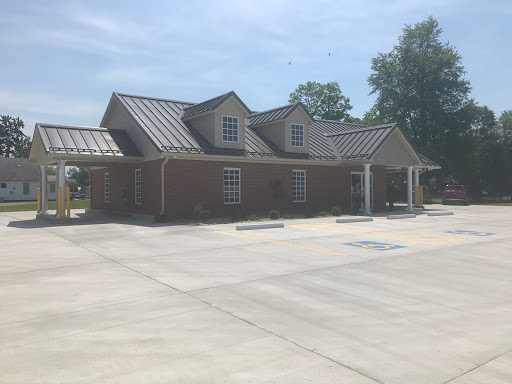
(374, 245)
(473, 233)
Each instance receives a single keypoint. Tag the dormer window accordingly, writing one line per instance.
(230, 128)
(297, 135)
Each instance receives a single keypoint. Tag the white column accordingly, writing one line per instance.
(61, 172)
(409, 190)
(44, 190)
(416, 184)
(367, 201)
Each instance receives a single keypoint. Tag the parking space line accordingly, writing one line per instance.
(370, 232)
(282, 243)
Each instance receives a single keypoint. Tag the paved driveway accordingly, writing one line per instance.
(424, 300)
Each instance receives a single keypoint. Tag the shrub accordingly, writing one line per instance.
(200, 214)
(252, 217)
(310, 212)
(274, 214)
(336, 211)
(322, 214)
(238, 215)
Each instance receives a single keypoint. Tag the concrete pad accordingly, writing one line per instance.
(259, 226)
(354, 220)
(496, 371)
(276, 306)
(52, 291)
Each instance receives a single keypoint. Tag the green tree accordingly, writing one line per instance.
(323, 101)
(505, 125)
(80, 175)
(13, 142)
(420, 85)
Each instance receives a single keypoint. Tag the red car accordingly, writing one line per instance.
(456, 193)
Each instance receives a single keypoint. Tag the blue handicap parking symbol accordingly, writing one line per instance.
(473, 233)
(374, 245)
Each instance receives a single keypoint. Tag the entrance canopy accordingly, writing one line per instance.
(77, 146)
(381, 145)
(81, 146)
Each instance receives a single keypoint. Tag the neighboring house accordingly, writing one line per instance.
(19, 180)
(160, 157)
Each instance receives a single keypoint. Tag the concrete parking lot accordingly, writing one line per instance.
(424, 300)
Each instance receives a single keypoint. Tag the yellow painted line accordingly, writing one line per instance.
(282, 243)
(411, 240)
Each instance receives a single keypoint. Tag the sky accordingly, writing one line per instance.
(60, 61)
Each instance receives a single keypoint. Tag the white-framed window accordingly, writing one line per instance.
(231, 185)
(3, 185)
(138, 186)
(106, 187)
(52, 187)
(26, 188)
(299, 186)
(230, 128)
(297, 135)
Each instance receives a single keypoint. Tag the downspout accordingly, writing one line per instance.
(163, 185)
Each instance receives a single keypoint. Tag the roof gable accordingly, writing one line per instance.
(275, 114)
(360, 143)
(211, 105)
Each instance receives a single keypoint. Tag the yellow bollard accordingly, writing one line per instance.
(420, 196)
(68, 204)
(38, 200)
(59, 208)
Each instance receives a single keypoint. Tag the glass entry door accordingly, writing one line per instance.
(358, 189)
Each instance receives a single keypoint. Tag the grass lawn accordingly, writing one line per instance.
(32, 206)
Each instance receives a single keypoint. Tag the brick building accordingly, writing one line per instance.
(159, 157)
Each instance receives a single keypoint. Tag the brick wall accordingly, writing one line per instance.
(123, 176)
(190, 181)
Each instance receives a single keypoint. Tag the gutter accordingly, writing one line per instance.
(163, 185)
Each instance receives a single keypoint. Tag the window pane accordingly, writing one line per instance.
(299, 186)
(231, 186)
(229, 128)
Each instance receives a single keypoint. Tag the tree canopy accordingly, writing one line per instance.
(13, 142)
(323, 101)
(80, 175)
(420, 85)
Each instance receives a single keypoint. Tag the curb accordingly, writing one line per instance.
(354, 220)
(447, 213)
(406, 216)
(259, 226)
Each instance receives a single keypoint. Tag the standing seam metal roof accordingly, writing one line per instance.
(211, 105)
(160, 120)
(426, 161)
(272, 114)
(86, 140)
(280, 113)
(360, 143)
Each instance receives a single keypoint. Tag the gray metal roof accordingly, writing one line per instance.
(18, 169)
(280, 113)
(319, 145)
(210, 105)
(426, 161)
(360, 143)
(159, 120)
(86, 140)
